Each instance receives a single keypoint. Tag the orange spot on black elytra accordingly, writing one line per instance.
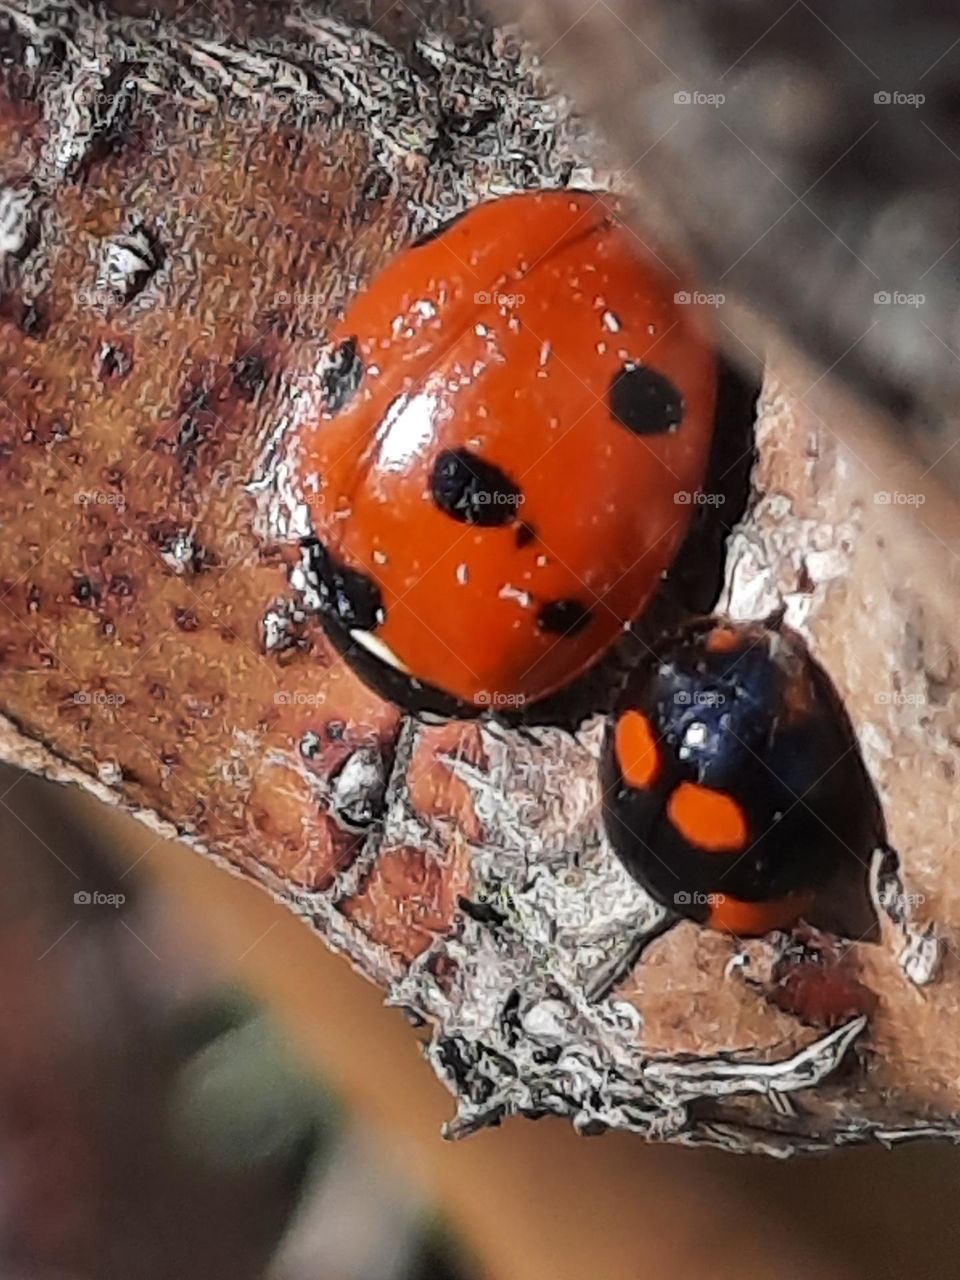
(636, 748)
(721, 640)
(751, 919)
(711, 821)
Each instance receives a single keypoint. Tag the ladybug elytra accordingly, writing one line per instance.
(733, 787)
(511, 409)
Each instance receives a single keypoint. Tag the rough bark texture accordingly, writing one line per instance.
(185, 209)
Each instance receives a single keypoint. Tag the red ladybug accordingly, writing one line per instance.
(515, 416)
(733, 789)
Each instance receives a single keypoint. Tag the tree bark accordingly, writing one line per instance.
(187, 206)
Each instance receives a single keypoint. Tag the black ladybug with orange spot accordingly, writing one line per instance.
(733, 786)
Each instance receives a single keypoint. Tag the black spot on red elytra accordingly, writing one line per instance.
(473, 491)
(644, 401)
(343, 376)
(563, 617)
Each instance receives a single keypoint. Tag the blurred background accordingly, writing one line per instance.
(191, 1085)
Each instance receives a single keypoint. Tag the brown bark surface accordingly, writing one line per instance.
(187, 208)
